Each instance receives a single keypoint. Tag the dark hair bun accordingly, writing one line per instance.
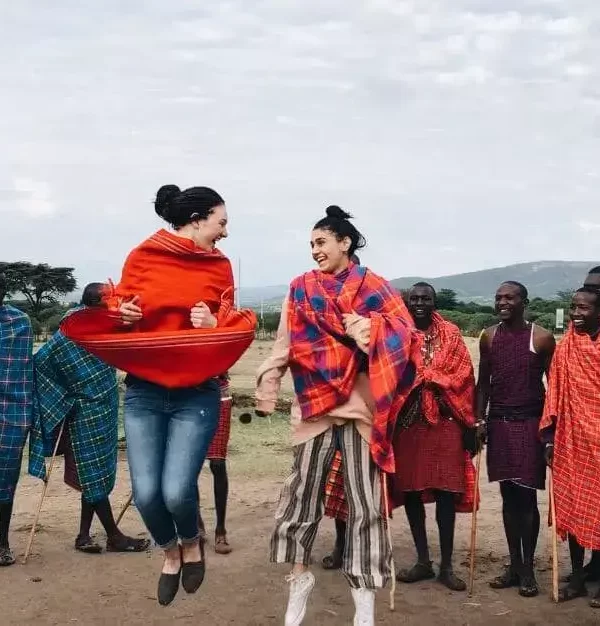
(163, 205)
(337, 213)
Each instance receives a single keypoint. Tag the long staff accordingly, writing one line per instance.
(474, 524)
(125, 507)
(46, 482)
(386, 504)
(554, 539)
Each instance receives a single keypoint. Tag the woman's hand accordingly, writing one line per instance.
(130, 311)
(201, 317)
(358, 328)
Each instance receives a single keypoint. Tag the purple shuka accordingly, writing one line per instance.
(514, 450)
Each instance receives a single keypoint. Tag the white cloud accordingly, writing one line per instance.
(588, 227)
(34, 198)
(473, 119)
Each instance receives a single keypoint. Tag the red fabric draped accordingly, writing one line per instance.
(448, 378)
(324, 364)
(573, 407)
(170, 275)
(449, 374)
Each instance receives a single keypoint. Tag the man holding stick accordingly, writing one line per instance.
(514, 356)
(570, 429)
(16, 408)
(592, 569)
(74, 385)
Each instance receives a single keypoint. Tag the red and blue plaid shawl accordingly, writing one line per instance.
(324, 361)
(16, 395)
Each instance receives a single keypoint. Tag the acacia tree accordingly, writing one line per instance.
(40, 283)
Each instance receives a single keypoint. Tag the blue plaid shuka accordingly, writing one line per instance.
(75, 385)
(16, 395)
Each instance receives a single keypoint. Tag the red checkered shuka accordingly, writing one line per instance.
(220, 443)
(573, 406)
(324, 364)
(336, 505)
(335, 502)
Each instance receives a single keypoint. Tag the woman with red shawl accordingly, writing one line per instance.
(346, 336)
(176, 333)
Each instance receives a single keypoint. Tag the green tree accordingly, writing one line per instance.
(565, 296)
(40, 283)
(462, 320)
(447, 300)
(547, 321)
(271, 322)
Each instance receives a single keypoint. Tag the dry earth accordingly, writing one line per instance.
(61, 586)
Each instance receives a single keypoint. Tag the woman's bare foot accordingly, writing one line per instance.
(190, 552)
(172, 563)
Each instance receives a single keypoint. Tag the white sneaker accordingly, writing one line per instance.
(300, 587)
(364, 601)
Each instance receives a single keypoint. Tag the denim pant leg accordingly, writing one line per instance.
(194, 417)
(146, 430)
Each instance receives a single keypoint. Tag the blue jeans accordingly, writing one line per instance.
(168, 433)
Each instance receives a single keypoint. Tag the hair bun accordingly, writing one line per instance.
(337, 213)
(164, 198)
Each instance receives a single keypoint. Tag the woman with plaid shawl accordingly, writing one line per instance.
(346, 336)
(16, 407)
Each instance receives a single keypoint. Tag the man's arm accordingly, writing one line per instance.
(544, 344)
(482, 390)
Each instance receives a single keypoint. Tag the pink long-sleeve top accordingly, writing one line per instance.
(359, 407)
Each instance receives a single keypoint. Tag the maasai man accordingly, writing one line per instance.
(433, 426)
(74, 385)
(592, 569)
(338, 323)
(514, 356)
(16, 407)
(217, 457)
(570, 429)
(171, 326)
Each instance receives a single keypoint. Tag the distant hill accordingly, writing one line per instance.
(543, 279)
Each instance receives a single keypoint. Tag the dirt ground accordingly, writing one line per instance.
(61, 586)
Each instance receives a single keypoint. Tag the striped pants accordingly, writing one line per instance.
(367, 555)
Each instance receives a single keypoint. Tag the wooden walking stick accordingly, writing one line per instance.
(125, 507)
(386, 504)
(554, 539)
(45, 490)
(474, 524)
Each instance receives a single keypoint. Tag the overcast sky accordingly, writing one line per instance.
(462, 134)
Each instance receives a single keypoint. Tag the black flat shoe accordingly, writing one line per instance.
(168, 586)
(192, 574)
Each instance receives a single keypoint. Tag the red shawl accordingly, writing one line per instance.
(450, 377)
(170, 275)
(450, 374)
(324, 362)
(573, 406)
